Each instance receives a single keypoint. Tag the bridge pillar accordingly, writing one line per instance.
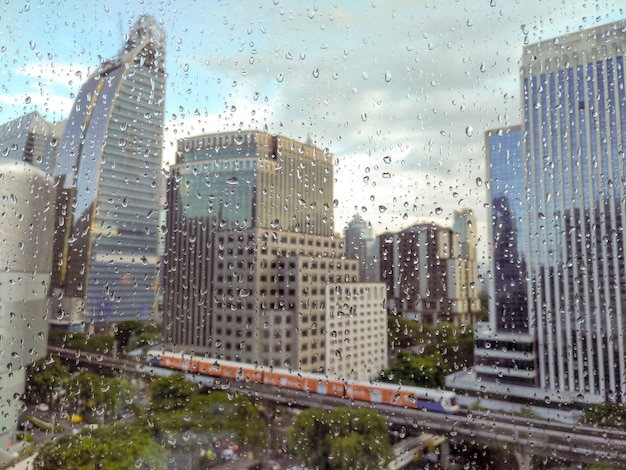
(444, 455)
(524, 459)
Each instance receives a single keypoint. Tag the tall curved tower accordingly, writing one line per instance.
(107, 174)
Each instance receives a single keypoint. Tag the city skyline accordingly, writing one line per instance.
(233, 69)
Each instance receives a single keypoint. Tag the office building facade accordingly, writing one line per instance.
(363, 245)
(107, 170)
(249, 250)
(505, 346)
(356, 323)
(574, 110)
(28, 139)
(431, 272)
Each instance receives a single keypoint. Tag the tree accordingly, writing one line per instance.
(43, 377)
(171, 393)
(424, 371)
(218, 415)
(123, 332)
(606, 414)
(114, 446)
(91, 391)
(344, 438)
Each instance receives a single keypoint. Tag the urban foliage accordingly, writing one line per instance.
(115, 446)
(77, 340)
(435, 351)
(133, 334)
(178, 406)
(341, 439)
(43, 377)
(91, 393)
(171, 393)
(608, 414)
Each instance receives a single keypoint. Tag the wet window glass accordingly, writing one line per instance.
(312, 235)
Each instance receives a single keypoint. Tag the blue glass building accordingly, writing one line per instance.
(508, 225)
(574, 120)
(107, 174)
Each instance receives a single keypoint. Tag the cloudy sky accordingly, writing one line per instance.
(401, 92)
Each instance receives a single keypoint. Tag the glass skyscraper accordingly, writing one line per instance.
(107, 173)
(574, 124)
(508, 226)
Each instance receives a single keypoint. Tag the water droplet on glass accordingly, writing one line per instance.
(125, 202)
(382, 208)
(438, 210)
(280, 77)
(387, 76)
(469, 131)
(316, 72)
(387, 159)
(364, 117)
(232, 180)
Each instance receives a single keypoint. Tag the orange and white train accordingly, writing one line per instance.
(440, 401)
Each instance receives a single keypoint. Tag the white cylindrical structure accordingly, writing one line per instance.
(26, 240)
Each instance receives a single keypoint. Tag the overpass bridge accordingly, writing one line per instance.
(520, 436)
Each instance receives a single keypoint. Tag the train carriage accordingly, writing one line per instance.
(440, 401)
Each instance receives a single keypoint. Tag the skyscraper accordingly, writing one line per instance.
(107, 171)
(508, 229)
(362, 244)
(574, 123)
(568, 240)
(28, 139)
(505, 346)
(251, 256)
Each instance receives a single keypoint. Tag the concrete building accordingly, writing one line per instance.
(431, 272)
(250, 249)
(356, 322)
(108, 169)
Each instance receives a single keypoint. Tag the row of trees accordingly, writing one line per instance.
(128, 335)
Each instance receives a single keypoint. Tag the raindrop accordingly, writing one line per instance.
(280, 77)
(27, 100)
(232, 180)
(483, 67)
(32, 44)
(382, 209)
(469, 131)
(364, 117)
(387, 159)
(479, 182)
(387, 76)
(386, 175)
(438, 210)
(364, 75)
(316, 72)
(125, 202)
